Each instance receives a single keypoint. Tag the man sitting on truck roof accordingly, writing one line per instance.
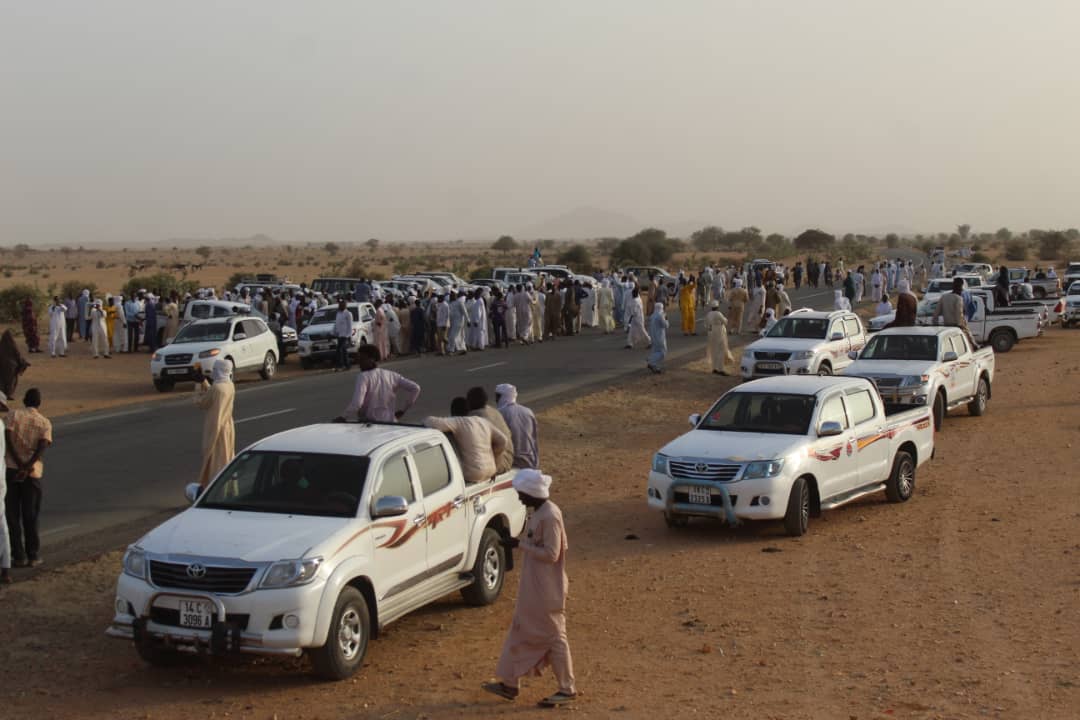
(477, 441)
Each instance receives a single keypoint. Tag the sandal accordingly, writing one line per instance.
(559, 698)
(504, 691)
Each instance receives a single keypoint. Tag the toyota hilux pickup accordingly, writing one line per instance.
(932, 367)
(787, 449)
(317, 340)
(312, 541)
(806, 342)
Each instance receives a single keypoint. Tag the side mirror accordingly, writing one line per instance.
(829, 429)
(853, 355)
(239, 336)
(390, 506)
(694, 419)
(837, 336)
(949, 356)
(192, 492)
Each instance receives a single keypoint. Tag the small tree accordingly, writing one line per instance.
(74, 288)
(372, 244)
(576, 257)
(331, 248)
(1053, 245)
(1016, 249)
(203, 251)
(963, 231)
(505, 244)
(707, 238)
(815, 240)
(892, 240)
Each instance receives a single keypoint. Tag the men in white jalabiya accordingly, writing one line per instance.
(57, 328)
(717, 352)
(605, 301)
(99, 331)
(635, 321)
(839, 301)
(754, 311)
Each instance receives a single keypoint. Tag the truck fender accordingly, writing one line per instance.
(352, 569)
(501, 523)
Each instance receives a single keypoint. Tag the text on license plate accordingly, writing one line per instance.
(699, 495)
(176, 371)
(770, 365)
(196, 614)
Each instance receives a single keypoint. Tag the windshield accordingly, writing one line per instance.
(289, 484)
(800, 328)
(327, 315)
(761, 413)
(203, 332)
(939, 286)
(901, 347)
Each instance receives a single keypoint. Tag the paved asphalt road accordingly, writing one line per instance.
(114, 468)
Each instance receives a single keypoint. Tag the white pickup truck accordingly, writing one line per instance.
(806, 342)
(788, 448)
(927, 366)
(312, 540)
(1001, 328)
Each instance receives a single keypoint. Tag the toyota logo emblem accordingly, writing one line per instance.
(196, 571)
(701, 467)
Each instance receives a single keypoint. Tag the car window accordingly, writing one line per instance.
(959, 344)
(253, 328)
(395, 480)
(238, 329)
(800, 328)
(833, 411)
(860, 407)
(837, 326)
(200, 311)
(203, 332)
(432, 468)
(851, 325)
(222, 312)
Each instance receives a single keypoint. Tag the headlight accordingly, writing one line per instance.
(911, 380)
(763, 469)
(288, 573)
(135, 562)
(209, 353)
(305, 336)
(156, 357)
(659, 464)
(802, 355)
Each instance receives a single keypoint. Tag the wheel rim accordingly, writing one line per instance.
(269, 365)
(906, 479)
(491, 568)
(350, 634)
(804, 508)
(982, 394)
(824, 370)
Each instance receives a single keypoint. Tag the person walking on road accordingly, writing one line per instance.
(219, 435)
(27, 436)
(635, 321)
(717, 351)
(343, 329)
(605, 303)
(658, 325)
(537, 636)
(687, 307)
(523, 427)
(376, 395)
(737, 299)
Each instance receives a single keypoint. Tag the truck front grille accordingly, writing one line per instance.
(692, 470)
(887, 382)
(178, 359)
(772, 355)
(220, 580)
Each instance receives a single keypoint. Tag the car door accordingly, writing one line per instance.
(399, 543)
(837, 467)
(853, 332)
(260, 340)
(366, 317)
(962, 370)
(445, 515)
(837, 349)
(872, 446)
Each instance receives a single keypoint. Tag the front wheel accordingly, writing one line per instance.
(269, 366)
(306, 363)
(676, 521)
(797, 517)
(825, 369)
(939, 411)
(489, 570)
(164, 385)
(346, 643)
(901, 482)
(977, 406)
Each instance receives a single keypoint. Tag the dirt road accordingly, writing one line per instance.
(961, 603)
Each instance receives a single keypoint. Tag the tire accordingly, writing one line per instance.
(1039, 293)
(901, 482)
(939, 411)
(824, 369)
(153, 653)
(489, 570)
(1002, 341)
(347, 639)
(164, 385)
(676, 521)
(269, 366)
(797, 517)
(306, 363)
(977, 406)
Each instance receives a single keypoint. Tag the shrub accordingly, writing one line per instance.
(981, 258)
(161, 284)
(484, 271)
(1053, 245)
(74, 288)
(575, 257)
(11, 301)
(1016, 250)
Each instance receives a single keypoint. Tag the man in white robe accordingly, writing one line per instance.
(57, 328)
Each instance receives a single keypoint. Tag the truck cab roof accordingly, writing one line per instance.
(799, 385)
(359, 439)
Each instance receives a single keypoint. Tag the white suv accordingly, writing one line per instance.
(805, 343)
(246, 342)
(317, 340)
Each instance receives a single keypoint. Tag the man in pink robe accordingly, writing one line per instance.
(537, 635)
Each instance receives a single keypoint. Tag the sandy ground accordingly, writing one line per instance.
(961, 603)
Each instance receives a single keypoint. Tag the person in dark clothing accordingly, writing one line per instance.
(1001, 288)
(417, 327)
(27, 435)
(499, 309)
(906, 308)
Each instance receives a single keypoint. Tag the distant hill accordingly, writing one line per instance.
(582, 223)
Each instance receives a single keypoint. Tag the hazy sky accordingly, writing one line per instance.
(146, 120)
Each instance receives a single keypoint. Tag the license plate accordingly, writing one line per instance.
(770, 365)
(700, 495)
(196, 614)
(176, 371)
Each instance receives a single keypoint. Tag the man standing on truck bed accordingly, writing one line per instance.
(375, 397)
(538, 631)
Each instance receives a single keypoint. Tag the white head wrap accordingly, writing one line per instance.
(737, 282)
(507, 394)
(715, 304)
(222, 371)
(532, 483)
(903, 285)
(658, 309)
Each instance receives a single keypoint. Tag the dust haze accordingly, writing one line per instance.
(130, 122)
